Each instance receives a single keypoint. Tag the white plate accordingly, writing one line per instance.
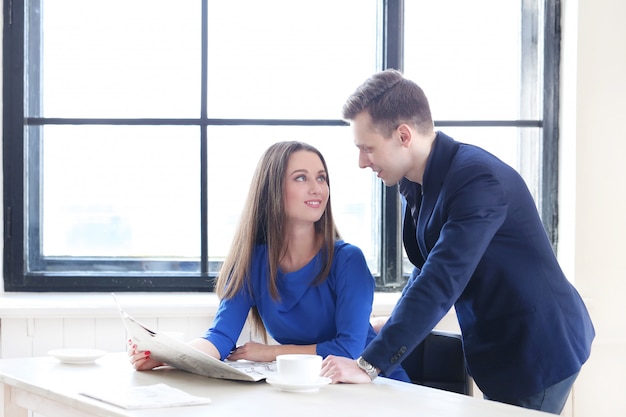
(289, 387)
(77, 356)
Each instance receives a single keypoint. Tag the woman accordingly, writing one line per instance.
(288, 268)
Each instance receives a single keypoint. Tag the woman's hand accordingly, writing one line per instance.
(141, 360)
(253, 351)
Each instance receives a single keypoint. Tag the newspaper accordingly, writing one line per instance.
(167, 349)
(145, 396)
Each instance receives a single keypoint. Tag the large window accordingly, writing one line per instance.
(132, 127)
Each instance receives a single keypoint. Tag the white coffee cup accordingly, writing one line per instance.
(297, 368)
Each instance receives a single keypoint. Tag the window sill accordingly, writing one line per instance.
(137, 304)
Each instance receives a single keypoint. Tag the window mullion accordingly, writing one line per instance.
(391, 241)
(204, 204)
(550, 155)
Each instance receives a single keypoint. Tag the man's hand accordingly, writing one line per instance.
(341, 369)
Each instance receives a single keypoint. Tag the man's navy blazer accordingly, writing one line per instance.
(475, 237)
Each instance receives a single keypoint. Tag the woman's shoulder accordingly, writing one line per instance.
(349, 264)
(343, 248)
(341, 244)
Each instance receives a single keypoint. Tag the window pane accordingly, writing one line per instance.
(120, 191)
(233, 154)
(120, 58)
(282, 59)
(471, 68)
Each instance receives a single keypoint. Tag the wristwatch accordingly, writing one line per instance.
(367, 367)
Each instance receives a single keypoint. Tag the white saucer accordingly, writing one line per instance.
(77, 356)
(306, 387)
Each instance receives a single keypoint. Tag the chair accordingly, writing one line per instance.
(439, 362)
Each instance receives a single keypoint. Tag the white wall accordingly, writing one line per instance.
(1, 113)
(592, 204)
(592, 207)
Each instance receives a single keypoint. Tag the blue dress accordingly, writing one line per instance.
(333, 315)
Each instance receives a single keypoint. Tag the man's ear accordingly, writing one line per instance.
(406, 134)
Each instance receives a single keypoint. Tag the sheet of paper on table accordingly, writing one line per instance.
(149, 396)
(167, 349)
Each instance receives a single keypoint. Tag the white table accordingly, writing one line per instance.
(48, 387)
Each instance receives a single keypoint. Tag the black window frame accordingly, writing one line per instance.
(391, 50)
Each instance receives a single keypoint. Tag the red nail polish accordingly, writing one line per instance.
(147, 353)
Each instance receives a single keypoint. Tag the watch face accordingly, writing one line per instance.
(363, 364)
(366, 366)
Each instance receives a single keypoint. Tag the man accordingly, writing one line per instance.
(472, 230)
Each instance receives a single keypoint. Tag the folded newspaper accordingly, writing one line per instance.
(145, 396)
(167, 349)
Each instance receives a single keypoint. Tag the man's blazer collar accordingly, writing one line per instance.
(438, 164)
(420, 200)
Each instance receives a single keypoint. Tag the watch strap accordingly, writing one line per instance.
(367, 367)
